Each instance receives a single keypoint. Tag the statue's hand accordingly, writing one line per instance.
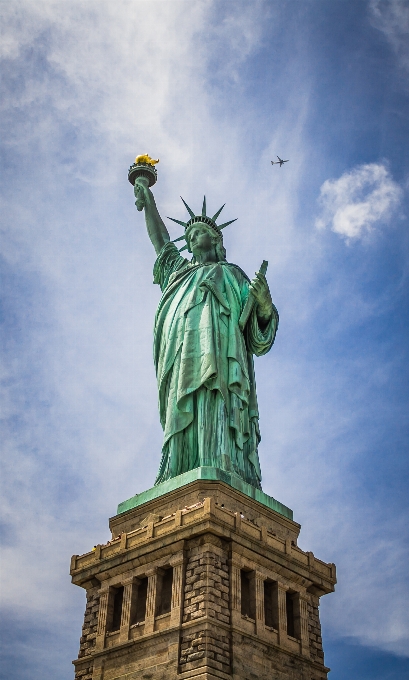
(141, 192)
(259, 288)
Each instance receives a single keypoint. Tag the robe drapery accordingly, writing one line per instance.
(204, 367)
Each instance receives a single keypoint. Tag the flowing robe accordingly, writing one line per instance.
(204, 367)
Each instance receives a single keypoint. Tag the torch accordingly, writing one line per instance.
(143, 170)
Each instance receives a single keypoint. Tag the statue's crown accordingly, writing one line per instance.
(203, 218)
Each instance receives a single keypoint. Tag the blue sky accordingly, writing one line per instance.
(216, 90)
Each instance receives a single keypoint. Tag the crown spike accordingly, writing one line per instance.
(191, 213)
(221, 226)
(204, 207)
(183, 224)
(184, 248)
(214, 218)
(180, 238)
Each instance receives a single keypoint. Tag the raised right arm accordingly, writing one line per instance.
(155, 226)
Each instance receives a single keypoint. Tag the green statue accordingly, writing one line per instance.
(210, 321)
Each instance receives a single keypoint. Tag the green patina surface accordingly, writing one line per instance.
(210, 323)
(205, 473)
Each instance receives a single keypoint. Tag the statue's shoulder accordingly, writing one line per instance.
(236, 271)
(168, 262)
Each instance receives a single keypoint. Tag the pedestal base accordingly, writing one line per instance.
(202, 583)
(205, 474)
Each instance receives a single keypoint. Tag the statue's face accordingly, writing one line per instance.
(200, 238)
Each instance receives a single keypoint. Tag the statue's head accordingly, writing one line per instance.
(200, 237)
(202, 233)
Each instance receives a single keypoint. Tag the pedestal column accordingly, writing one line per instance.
(304, 635)
(129, 588)
(282, 613)
(177, 562)
(102, 619)
(235, 590)
(153, 575)
(260, 615)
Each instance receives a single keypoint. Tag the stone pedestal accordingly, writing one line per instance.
(202, 583)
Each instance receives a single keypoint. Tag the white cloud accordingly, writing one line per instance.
(354, 203)
(392, 18)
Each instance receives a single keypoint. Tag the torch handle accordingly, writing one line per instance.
(140, 200)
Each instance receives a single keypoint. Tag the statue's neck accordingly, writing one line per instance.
(206, 257)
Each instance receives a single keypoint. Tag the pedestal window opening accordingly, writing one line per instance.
(138, 611)
(271, 604)
(164, 594)
(292, 621)
(115, 613)
(248, 595)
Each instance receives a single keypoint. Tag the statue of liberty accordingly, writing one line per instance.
(203, 347)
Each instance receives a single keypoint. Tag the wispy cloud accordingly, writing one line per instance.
(392, 18)
(353, 204)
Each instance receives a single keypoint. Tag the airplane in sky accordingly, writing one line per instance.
(280, 161)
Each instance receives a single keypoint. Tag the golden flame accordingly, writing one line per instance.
(144, 158)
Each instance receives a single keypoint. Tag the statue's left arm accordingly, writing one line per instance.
(264, 304)
(262, 325)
